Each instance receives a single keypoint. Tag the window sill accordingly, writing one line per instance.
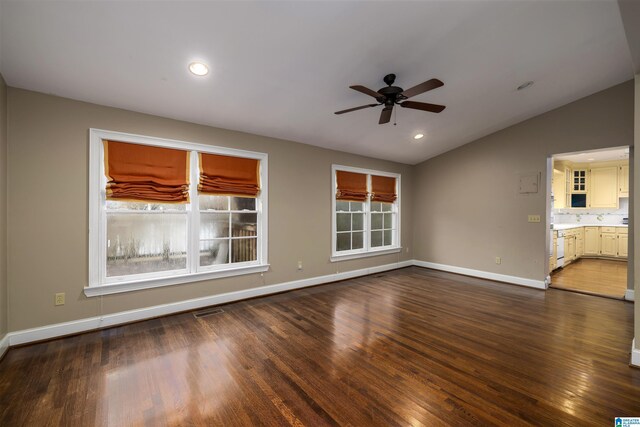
(394, 250)
(136, 285)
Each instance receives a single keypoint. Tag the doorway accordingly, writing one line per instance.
(589, 213)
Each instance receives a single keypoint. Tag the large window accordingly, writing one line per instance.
(366, 209)
(200, 214)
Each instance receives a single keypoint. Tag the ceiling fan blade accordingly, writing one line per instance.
(433, 108)
(422, 88)
(356, 108)
(385, 115)
(366, 91)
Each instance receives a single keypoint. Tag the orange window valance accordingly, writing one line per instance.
(146, 173)
(235, 176)
(383, 189)
(351, 186)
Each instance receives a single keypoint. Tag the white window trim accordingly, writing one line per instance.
(366, 251)
(97, 219)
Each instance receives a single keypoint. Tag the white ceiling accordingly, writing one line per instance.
(595, 155)
(282, 68)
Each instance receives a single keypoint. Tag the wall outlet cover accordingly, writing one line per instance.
(59, 299)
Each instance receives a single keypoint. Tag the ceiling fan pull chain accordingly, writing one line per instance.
(395, 116)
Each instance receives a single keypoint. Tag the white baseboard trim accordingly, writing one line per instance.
(629, 295)
(635, 354)
(99, 322)
(4, 345)
(538, 284)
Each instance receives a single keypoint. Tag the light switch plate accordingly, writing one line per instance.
(534, 218)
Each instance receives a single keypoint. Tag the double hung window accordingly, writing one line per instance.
(366, 211)
(164, 212)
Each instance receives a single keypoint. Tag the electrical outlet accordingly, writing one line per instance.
(534, 218)
(407, 250)
(59, 300)
(299, 265)
(498, 260)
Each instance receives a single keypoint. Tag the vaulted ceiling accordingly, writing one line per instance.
(282, 68)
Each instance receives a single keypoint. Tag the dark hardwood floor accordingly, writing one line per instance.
(408, 347)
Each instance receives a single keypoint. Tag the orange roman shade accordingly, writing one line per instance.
(383, 189)
(228, 175)
(351, 186)
(146, 173)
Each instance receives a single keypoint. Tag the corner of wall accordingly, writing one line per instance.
(3, 217)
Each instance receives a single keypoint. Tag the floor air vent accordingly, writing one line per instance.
(207, 312)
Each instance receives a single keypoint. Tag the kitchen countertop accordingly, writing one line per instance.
(585, 224)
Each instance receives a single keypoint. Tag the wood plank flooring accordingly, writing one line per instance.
(408, 347)
(598, 276)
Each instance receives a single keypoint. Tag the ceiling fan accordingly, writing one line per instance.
(392, 95)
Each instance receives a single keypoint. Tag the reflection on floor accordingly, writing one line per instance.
(598, 276)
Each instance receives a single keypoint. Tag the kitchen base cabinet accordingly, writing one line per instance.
(605, 241)
(591, 241)
(623, 242)
(609, 244)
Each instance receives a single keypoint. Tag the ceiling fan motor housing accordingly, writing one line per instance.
(392, 94)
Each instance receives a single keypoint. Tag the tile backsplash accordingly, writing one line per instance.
(592, 216)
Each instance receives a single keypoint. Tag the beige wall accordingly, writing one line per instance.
(47, 217)
(467, 206)
(3, 208)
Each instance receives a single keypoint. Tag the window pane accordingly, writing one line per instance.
(357, 221)
(342, 206)
(388, 220)
(214, 225)
(214, 203)
(358, 240)
(214, 252)
(139, 243)
(243, 204)
(386, 207)
(376, 221)
(343, 242)
(244, 224)
(343, 221)
(243, 250)
(357, 206)
(114, 205)
(388, 237)
(376, 238)
(376, 207)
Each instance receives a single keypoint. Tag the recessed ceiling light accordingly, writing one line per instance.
(525, 85)
(591, 159)
(199, 69)
(418, 136)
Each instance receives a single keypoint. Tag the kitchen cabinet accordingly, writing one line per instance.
(579, 242)
(591, 241)
(603, 187)
(569, 247)
(579, 184)
(623, 181)
(559, 189)
(609, 244)
(623, 242)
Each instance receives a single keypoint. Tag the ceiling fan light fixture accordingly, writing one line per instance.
(525, 85)
(199, 68)
(418, 136)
